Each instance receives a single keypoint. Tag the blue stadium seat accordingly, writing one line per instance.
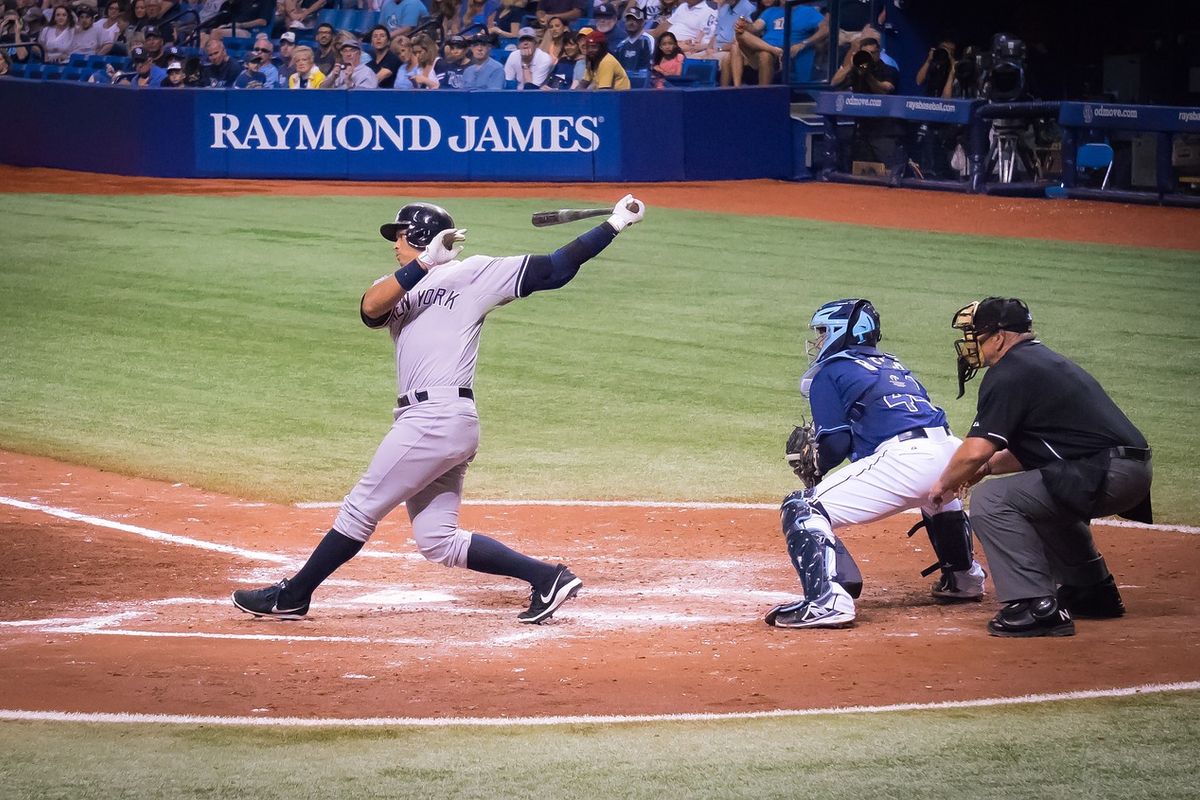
(34, 71)
(18, 70)
(52, 72)
(702, 72)
(71, 73)
(78, 60)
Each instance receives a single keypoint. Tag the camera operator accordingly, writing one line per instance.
(12, 29)
(875, 140)
(936, 75)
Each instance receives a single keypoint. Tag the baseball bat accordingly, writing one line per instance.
(543, 218)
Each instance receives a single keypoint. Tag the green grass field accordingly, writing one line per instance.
(216, 341)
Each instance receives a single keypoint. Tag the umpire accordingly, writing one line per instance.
(1076, 456)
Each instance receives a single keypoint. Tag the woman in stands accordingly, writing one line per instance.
(56, 38)
(138, 19)
(447, 16)
(423, 69)
(383, 62)
(306, 76)
(552, 37)
(667, 61)
(505, 21)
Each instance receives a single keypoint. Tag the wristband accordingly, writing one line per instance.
(409, 275)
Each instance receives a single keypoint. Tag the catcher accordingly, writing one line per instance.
(867, 407)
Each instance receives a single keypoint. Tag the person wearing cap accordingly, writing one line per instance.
(528, 66)
(146, 74)
(401, 15)
(485, 72)
(566, 10)
(174, 79)
(283, 61)
(604, 18)
(453, 63)
(1068, 454)
(636, 49)
(350, 72)
(383, 62)
(57, 37)
(603, 71)
(88, 38)
(220, 69)
(259, 71)
(153, 40)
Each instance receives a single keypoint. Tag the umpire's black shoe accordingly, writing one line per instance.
(264, 602)
(1099, 601)
(542, 604)
(1040, 616)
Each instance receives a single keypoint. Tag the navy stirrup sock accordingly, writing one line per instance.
(333, 551)
(487, 555)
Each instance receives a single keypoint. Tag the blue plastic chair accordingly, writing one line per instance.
(1095, 155)
(701, 71)
(78, 60)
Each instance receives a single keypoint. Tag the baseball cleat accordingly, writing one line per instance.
(965, 585)
(542, 605)
(1040, 616)
(264, 602)
(835, 610)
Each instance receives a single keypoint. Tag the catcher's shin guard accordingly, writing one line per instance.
(950, 535)
(816, 553)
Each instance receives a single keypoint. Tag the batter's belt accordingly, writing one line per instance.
(421, 395)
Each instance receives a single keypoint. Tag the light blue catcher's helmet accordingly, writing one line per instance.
(839, 325)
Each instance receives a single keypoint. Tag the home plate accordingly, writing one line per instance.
(402, 597)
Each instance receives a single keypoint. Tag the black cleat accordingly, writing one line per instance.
(1099, 601)
(1040, 616)
(264, 602)
(542, 605)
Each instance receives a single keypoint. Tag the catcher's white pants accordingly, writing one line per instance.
(422, 462)
(896, 477)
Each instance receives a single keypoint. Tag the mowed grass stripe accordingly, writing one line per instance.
(216, 341)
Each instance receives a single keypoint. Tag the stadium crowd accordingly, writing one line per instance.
(419, 44)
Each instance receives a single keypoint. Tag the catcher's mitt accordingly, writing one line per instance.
(801, 455)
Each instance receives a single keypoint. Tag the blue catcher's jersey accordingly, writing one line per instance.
(871, 395)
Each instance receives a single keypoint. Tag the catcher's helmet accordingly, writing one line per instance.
(839, 324)
(419, 222)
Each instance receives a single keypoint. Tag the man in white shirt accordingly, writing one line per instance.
(528, 65)
(694, 24)
(89, 39)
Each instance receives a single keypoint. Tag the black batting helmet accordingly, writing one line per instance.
(419, 222)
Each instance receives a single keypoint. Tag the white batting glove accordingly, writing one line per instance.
(442, 249)
(628, 211)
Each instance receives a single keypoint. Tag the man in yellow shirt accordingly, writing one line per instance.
(603, 70)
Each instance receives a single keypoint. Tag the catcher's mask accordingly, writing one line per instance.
(839, 325)
(419, 222)
(985, 317)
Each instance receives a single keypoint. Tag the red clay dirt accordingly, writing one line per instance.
(1073, 221)
(669, 620)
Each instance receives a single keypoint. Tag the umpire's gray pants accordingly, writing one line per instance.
(1032, 544)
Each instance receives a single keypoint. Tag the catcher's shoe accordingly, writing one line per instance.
(1039, 616)
(264, 602)
(1099, 601)
(961, 586)
(835, 610)
(542, 605)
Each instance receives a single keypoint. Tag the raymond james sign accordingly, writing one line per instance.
(416, 133)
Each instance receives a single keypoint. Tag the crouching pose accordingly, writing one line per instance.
(866, 406)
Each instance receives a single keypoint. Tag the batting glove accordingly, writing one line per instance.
(626, 212)
(442, 250)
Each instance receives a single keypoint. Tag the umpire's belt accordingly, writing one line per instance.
(920, 433)
(438, 393)
(1132, 453)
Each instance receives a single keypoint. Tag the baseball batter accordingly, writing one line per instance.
(867, 407)
(434, 307)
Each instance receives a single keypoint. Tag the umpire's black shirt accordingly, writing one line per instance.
(1043, 407)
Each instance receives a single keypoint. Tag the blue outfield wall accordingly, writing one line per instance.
(646, 135)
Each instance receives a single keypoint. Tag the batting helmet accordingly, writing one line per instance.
(419, 222)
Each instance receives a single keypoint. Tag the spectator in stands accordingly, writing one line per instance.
(694, 23)
(651, 11)
(566, 10)
(485, 72)
(88, 39)
(207, 11)
(475, 15)
(552, 37)
(350, 72)
(569, 69)
(759, 45)
(244, 16)
(138, 19)
(220, 71)
(636, 50)
(446, 16)
(259, 73)
(57, 37)
(12, 29)
(3, 64)
(728, 12)
(605, 20)
(400, 45)
(603, 71)
(527, 65)
(936, 75)
(175, 76)
(401, 15)
(667, 62)
(153, 41)
(112, 27)
(382, 61)
(665, 9)
(454, 62)
(506, 20)
(283, 61)
(326, 53)
(305, 73)
(422, 71)
(300, 15)
(146, 74)
(154, 17)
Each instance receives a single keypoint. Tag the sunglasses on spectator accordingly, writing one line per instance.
(262, 49)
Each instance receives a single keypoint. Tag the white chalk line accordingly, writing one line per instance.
(584, 719)
(705, 506)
